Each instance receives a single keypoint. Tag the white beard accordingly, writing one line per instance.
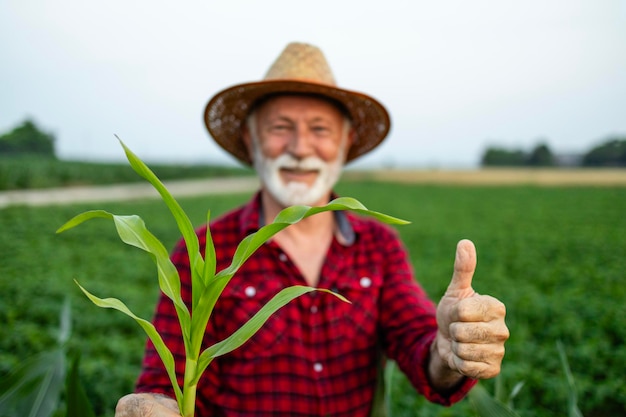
(294, 192)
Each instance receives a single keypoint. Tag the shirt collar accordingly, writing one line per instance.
(252, 219)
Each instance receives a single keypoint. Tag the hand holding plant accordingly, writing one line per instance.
(146, 405)
(207, 283)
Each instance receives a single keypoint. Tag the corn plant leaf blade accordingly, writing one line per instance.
(514, 392)
(48, 394)
(133, 231)
(65, 325)
(182, 220)
(215, 287)
(252, 242)
(76, 399)
(487, 406)
(164, 353)
(20, 378)
(83, 217)
(34, 389)
(285, 218)
(572, 396)
(206, 285)
(245, 332)
(292, 215)
(187, 230)
(296, 213)
(210, 260)
(200, 294)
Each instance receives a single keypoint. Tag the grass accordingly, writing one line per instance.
(555, 256)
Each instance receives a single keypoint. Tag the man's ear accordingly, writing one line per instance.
(350, 140)
(351, 136)
(247, 140)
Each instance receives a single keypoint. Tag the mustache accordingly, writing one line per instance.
(286, 161)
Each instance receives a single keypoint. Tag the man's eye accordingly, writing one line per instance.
(320, 129)
(279, 128)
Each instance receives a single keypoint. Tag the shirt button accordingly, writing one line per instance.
(313, 309)
(282, 257)
(317, 367)
(366, 282)
(250, 291)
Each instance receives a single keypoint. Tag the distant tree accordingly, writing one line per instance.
(27, 139)
(503, 157)
(541, 156)
(610, 153)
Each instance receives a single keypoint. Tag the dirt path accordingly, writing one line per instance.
(55, 196)
(540, 177)
(503, 176)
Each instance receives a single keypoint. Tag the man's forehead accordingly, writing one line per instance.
(287, 100)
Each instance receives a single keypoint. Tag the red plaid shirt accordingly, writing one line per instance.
(317, 356)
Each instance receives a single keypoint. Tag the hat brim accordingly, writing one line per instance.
(226, 113)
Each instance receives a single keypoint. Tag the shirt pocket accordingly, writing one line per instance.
(238, 304)
(360, 318)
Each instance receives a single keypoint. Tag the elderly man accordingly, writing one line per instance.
(318, 356)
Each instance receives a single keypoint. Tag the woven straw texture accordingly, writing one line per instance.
(300, 69)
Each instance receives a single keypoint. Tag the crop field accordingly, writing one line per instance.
(33, 172)
(554, 254)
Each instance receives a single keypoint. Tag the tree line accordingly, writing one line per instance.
(28, 139)
(610, 153)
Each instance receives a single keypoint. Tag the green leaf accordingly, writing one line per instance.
(83, 217)
(206, 285)
(164, 353)
(132, 231)
(285, 218)
(245, 332)
(572, 396)
(34, 388)
(183, 222)
(292, 215)
(202, 307)
(252, 242)
(76, 400)
(354, 205)
(514, 392)
(487, 406)
(65, 326)
(210, 261)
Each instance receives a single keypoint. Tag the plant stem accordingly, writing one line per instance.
(188, 407)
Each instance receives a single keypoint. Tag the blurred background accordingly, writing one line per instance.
(458, 77)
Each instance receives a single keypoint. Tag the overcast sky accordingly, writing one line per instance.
(456, 76)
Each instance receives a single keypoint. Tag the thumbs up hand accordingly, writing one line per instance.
(472, 330)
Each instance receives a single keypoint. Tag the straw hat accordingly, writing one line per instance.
(300, 68)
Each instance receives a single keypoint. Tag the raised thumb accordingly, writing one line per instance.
(464, 267)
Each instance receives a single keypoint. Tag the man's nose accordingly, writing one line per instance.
(301, 143)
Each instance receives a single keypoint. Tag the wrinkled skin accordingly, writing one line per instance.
(472, 330)
(146, 405)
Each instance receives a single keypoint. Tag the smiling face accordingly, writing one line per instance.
(298, 145)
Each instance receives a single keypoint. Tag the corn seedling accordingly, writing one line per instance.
(207, 283)
(572, 397)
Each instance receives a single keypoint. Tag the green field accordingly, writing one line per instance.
(34, 172)
(555, 256)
